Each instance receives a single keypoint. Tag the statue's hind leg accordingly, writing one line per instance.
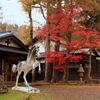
(24, 76)
(19, 72)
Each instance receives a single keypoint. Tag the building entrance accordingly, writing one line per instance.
(8, 74)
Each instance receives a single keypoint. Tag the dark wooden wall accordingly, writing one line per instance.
(0, 67)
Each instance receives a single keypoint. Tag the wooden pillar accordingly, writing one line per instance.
(34, 74)
(11, 71)
(3, 68)
(34, 77)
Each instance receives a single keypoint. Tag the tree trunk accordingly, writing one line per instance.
(89, 69)
(68, 39)
(47, 64)
(55, 74)
(66, 73)
(57, 46)
(47, 72)
(47, 77)
(55, 71)
(66, 69)
(31, 37)
(31, 24)
(31, 27)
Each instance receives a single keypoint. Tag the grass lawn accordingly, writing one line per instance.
(19, 95)
(15, 95)
(46, 93)
(13, 84)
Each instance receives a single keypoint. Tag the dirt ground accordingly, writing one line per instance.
(64, 92)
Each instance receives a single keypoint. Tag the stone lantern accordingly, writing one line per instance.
(80, 71)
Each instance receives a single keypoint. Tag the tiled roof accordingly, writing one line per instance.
(8, 34)
(5, 34)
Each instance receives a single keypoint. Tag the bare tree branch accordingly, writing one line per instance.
(40, 6)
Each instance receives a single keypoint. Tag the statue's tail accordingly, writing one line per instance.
(14, 68)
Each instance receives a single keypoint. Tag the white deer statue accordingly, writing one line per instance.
(26, 66)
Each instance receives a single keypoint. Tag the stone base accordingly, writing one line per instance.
(26, 89)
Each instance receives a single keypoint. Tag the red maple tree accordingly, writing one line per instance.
(65, 29)
(91, 39)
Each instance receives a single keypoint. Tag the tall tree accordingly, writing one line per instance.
(48, 6)
(27, 7)
(61, 24)
(47, 64)
(55, 75)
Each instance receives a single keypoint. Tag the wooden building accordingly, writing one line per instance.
(95, 62)
(12, 50)
(73, 67)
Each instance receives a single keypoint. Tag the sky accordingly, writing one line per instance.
(13, 14)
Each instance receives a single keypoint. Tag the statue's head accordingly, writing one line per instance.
(35, 50)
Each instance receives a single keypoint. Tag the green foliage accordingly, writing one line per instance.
(92, 13)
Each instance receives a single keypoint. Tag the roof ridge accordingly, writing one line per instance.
(5, 32)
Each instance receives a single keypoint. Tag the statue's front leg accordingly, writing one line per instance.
(16, 82)
(39, 68)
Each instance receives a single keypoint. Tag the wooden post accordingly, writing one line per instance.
(3, 68)
(34, 77)
(10, 72)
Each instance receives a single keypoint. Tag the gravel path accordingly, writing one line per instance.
(70, 92)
